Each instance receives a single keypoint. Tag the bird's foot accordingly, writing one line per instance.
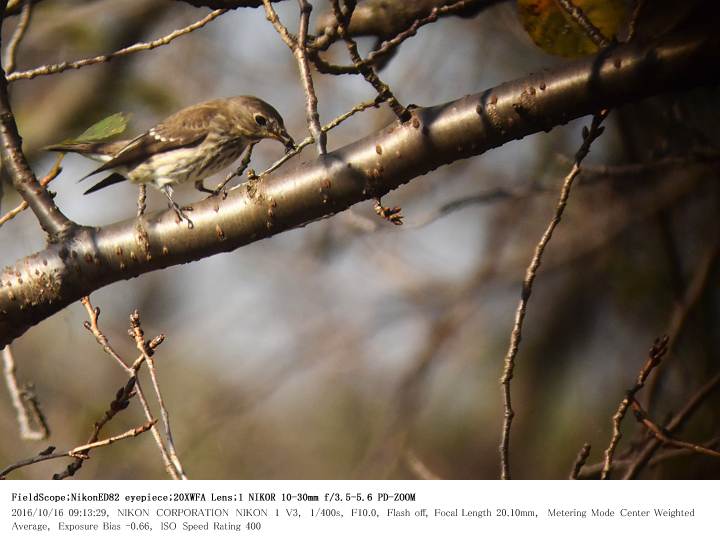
(181, 215)
(394, 214)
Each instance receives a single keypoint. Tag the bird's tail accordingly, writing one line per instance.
(99, 151)
(112, 179)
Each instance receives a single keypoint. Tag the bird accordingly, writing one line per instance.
(190, 145)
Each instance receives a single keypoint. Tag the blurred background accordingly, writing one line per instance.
(352, 348)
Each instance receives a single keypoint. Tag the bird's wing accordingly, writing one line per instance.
(185, 128)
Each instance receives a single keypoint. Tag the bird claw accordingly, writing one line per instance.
(393, 214)
(181, 215)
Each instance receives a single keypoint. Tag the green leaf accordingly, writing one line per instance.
(105, 129)
(553, 30)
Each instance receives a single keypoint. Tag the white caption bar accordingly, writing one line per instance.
(354, 511)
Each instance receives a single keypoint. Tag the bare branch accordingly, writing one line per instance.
(137, 333)
(579, 16)
(362, 106)
(18, 35)
(49, 69)
(132, 370)
(582, 456)
(298, 48)
(661, 434)
(589, 136)
(226, 4)
(644, 456)
(52, 221)
(25, 414)
(51, 175)
(657, 352)
(79, 452)
(367, 71)
(390, 44)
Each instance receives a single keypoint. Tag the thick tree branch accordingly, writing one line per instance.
(385, 19)
(39, 285)
(225, 4)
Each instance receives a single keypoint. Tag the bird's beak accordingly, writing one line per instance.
(286, 139)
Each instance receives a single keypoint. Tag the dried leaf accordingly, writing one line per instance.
(553, 29)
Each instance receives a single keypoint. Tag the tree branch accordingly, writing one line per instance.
(52, 221)
(225, 4)
(40, 285)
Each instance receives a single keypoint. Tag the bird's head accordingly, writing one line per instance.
(258, 120)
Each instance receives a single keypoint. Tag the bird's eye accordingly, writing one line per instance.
(260, 120)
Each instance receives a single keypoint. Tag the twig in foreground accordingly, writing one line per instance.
(137, 333)
(589, 136)
(80, 452)
(657, 352)
(25, 411)
(132, 370)
(580, 460)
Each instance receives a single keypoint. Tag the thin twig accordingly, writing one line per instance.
(137, 333)
(662, 435)
(657, 352)
(582, 20)
(49, 69)
(118, 404)
(79, 452)
(679, 318)
(17, 37)
(106, 442)
(389, 45)
(693, 157)
(589, 136)
(632, 26)
(367, 71)
(101, 339)
(362, 106)
(23, 411)
(582, 456)
(641, 460)
(54, 172)
(132, 370)
(593, 470)
(298, 46)
(15, 163)
(244, 163)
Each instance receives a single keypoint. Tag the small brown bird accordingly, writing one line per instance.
(190, 145)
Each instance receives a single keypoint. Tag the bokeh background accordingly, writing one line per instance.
(351, 348)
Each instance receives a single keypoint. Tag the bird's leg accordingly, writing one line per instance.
(142, 194)
(200, 187)
(236, 173)
(168, 190)
(394, 214)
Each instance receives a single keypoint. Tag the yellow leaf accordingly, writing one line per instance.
(554, 30)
